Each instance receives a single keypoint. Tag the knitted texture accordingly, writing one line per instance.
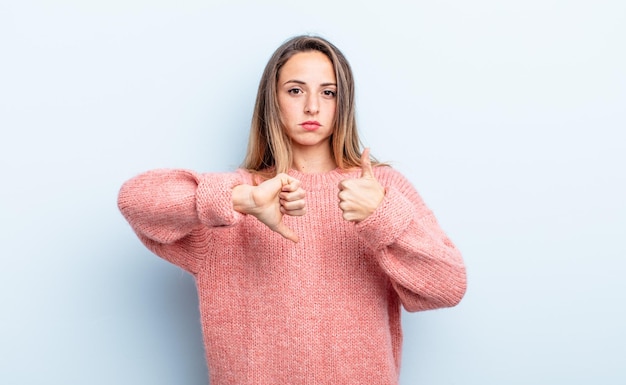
(325, 310)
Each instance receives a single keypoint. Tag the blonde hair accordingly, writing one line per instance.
(269, 148)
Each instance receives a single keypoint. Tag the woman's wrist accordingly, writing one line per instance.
(242, 199)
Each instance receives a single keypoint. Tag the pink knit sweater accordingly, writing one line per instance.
(325, 310)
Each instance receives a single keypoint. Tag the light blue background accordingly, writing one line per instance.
(508, 117)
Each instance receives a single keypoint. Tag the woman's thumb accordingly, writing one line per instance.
(286, 232)
(366, 164)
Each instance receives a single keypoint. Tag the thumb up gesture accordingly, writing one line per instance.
(359, 197)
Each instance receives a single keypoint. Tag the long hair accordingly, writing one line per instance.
(269, 148)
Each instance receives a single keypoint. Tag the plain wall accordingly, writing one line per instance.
(508, 117)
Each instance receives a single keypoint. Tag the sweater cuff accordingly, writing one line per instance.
(214, 199)
(388, 222)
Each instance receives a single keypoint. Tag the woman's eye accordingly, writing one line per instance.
(330, 93)
(295, 91)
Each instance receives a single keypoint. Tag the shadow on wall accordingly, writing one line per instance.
(158, 321)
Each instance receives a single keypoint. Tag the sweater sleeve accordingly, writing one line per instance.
(170, 210)
(424, 266)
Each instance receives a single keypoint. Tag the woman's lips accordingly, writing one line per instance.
(310, 125)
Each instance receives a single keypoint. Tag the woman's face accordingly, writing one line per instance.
(307, 97)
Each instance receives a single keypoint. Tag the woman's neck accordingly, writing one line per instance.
(313, 160)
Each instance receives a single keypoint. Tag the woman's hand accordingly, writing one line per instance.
(359, 197)
(270, 200)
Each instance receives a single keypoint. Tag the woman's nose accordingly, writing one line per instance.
(312, 105)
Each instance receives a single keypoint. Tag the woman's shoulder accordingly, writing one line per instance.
(390, 176)
(387, 171)
(382, 171)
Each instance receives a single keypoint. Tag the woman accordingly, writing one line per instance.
(302, 257)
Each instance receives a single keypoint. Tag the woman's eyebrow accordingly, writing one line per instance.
(294, 81)
(303, 83)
